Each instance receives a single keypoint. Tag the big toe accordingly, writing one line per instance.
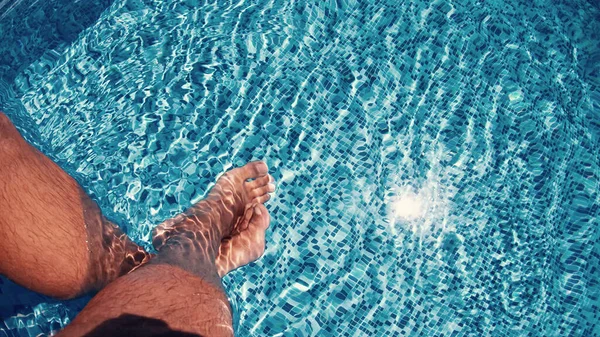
(252, 170)
(261, 218)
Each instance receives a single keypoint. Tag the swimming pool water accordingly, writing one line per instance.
(437, 162)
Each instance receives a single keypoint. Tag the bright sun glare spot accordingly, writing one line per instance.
(408, 205)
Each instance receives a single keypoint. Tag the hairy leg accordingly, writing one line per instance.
(182, 300)
(54, 238)
(181, 286)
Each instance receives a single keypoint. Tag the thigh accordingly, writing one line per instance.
(158, 292)
(55, 239)
(44, 240)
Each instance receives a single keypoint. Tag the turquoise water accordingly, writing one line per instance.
(437, 162)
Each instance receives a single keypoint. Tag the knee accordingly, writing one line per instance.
(62, 292)
(4, 121)
(7, 129)
(5, 136)
(10, 138)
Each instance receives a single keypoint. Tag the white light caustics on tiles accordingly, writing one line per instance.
(420, 210)
(408, 205)
(406, 211)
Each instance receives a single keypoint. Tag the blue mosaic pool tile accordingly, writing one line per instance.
(486, 111)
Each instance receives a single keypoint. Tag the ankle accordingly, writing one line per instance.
(197, 261)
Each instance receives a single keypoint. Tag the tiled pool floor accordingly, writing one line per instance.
(437, 162)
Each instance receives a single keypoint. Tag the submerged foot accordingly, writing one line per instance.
(246, 246)
(233, 209)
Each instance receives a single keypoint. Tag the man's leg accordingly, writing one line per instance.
(181, 286)
(54, 238)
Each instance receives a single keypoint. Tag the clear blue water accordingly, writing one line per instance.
(437, 161)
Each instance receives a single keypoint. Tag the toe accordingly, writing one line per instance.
(254, 169)
(257, 242)
(244, 220)
(259, 182)
(262, 199)
(259, 192)
(261, 218)
(256, 231)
